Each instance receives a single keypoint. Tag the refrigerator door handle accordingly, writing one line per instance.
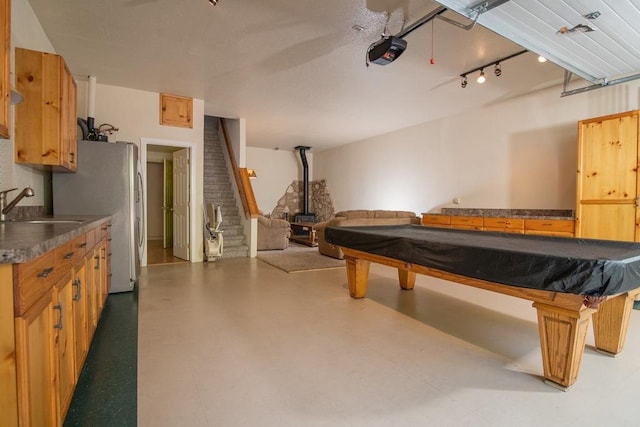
(141, 226)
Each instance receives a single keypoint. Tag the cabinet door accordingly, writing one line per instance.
(80, 317)
(38, 115)
(607, 177)
(8, 398)
(65, 344)
(104, 271)
(68, 113)
(5, 54)
(91, 292)
(36, 362)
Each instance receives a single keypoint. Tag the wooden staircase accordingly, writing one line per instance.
(218, 190)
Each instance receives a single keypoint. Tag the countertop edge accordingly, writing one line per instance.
(34, 247)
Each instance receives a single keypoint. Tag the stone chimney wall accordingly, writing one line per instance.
(291, 201)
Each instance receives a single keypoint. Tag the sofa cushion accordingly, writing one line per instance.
(361, 213)
(393, 214)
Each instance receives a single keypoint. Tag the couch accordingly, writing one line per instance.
(360, 218)
(273, 233)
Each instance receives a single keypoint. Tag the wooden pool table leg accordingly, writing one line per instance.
(562, 338)
(357, 276)
(611, 322)
(406, 278)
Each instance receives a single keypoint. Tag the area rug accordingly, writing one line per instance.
(293, 262)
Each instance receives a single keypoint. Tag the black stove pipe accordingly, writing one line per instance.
(305, 177)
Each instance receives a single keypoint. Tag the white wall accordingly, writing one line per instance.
(137, 114)
(276, 169)
(237, 132)
(26, 32)
(520, 153)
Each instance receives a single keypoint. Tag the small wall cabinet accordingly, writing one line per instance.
(176, 110)
(46, 121)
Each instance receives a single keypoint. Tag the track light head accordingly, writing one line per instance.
(481, 78)
(497, 70)
(463, 82)
(213, 2)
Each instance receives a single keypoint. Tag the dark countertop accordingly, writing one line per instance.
(22, 241)
(565, 214)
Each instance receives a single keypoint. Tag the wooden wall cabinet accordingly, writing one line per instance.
(56, 314)
(46, 121)
(176, 110)
(607, 178)
(5, 55)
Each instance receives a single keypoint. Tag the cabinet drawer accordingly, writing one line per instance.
(90, 239)
(551, 225)
(548, 233)
(515, 224)
(32, 280)
(434, 220)
(467, 222)
(102, 231)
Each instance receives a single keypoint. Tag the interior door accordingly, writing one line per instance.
(167, 204)
(181, 204)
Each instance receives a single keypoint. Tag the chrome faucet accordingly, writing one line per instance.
(5, 208)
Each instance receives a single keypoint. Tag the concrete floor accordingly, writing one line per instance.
(237, 342)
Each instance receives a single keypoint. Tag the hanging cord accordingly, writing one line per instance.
(432, 61)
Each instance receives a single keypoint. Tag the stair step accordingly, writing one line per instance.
(217, 188)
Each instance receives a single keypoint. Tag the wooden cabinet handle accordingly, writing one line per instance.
(78, 294)
(83, 245)
(68, 255)
(59, 308)
(44, 273)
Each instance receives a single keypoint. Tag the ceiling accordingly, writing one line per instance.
(295, 70)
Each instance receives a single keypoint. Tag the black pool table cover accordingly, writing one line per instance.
(577, 266)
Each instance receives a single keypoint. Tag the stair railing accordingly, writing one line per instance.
(241, 178)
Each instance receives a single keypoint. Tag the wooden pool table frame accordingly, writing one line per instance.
(563, 319)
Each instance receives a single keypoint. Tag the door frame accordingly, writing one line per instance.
(144, 142)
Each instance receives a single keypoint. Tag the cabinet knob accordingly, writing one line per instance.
(44, 273)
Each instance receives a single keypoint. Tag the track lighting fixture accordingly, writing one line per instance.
(497, 68)
(481, 78)
(213, 2)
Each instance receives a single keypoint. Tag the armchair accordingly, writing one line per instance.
(273, 233)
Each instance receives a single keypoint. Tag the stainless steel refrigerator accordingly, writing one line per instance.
(108, 182)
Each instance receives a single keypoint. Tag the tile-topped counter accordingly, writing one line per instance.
(503, 213)
(23, 241)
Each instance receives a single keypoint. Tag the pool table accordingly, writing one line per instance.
(570, 281)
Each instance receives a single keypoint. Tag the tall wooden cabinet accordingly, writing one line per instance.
(607, 178)
(46, 121)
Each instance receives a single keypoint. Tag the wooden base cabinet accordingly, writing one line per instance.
(543, 227)
(57, 301)
(36, 360)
